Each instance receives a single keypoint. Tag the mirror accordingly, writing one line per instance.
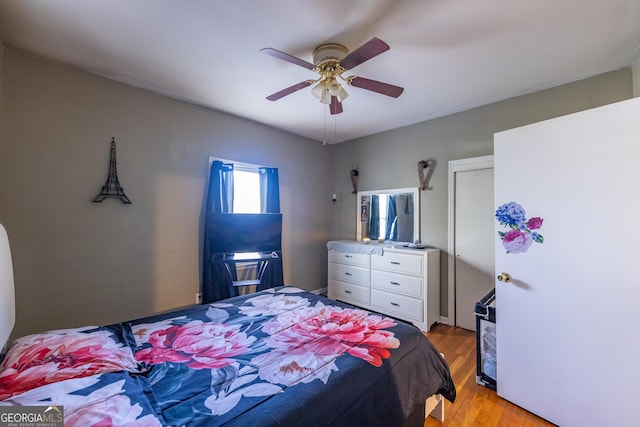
(390, 215)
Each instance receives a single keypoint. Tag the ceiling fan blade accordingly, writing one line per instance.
(376, 86)
(373, 47)
(336, 106)
(289, 58)
(284, 92)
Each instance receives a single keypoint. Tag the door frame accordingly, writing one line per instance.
(455, 166)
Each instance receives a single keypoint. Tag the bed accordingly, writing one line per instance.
(279, 357)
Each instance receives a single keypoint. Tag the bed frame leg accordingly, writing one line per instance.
(434, 406)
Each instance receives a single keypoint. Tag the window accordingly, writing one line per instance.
(246, 186)
(246, 191)
(246, 197)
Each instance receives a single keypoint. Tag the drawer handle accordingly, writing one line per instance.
(348, 256)
(395, 283)
(347, 292)
(395, 304)
(348, 274)
(395, 263)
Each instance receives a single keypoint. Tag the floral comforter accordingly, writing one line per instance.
(281, 357)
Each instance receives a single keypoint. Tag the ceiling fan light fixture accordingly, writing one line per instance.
(336, 89)
(326, 97)
(321, 92)
(318, 90)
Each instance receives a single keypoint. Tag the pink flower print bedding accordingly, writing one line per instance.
(45, 358)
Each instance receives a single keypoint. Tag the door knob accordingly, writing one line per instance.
(504, 277)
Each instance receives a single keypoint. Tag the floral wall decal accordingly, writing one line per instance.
(523, 232)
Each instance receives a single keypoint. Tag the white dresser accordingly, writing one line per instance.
(402, 283)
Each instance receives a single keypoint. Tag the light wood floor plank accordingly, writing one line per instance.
(475, 406)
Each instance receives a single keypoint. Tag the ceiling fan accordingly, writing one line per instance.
(331, 60)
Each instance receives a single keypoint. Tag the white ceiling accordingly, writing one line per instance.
(448, 55)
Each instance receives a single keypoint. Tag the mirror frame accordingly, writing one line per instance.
(416, 209)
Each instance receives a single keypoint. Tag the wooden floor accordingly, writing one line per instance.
(475, 405)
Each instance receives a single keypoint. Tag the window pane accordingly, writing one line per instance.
(246, 192)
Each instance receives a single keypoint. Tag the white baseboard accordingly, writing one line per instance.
(321, 291)
(444, 320)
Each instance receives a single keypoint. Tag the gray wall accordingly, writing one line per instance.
(389, 159)
(78, 262)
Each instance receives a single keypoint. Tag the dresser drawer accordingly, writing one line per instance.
(401, 306)
(394, 282)
(349, 273)
(349, 292)
(361, 260)
(402, 263)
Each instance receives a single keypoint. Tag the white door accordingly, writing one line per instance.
(474, 263)
(568, 325)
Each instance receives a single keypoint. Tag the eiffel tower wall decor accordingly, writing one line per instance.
(112, 187)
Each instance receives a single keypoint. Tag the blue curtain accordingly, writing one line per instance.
(270, 203)
(374, 218)
(391, 232)
(269, 190)
(216, 284)
(220, 196)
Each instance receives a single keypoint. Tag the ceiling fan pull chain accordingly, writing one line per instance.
(324, 126)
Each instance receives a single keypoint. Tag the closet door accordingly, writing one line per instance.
(474, 262)
(567, 322)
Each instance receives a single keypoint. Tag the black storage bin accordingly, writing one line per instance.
(486, 363)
